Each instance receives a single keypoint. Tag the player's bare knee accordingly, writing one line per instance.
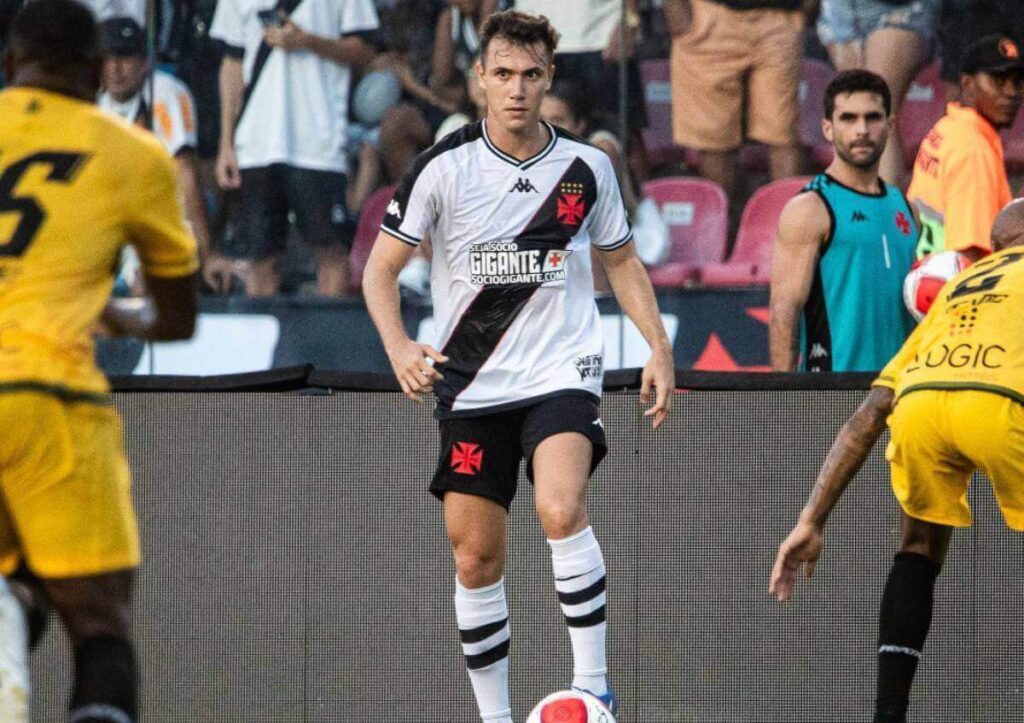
(478, 567)
(562, 518)
(925, 538)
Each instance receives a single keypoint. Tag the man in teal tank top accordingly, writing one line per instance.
(844, 246)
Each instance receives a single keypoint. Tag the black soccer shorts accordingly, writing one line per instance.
(480, 455)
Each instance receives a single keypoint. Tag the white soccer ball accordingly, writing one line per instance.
(927, 277)
(570, 706)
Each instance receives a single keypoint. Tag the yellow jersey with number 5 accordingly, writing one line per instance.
(973, 336)
(75, 187)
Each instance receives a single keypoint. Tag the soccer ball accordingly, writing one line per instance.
(570, 706)
(927, 277)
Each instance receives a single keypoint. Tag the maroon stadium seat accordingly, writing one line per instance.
(697, 213)
(657, 135)
(814, 79)
(371, 216)
(924, 104)
(750, 262)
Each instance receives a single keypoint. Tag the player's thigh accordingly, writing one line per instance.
(930, 476)
(708, 65)
(93, 605)
(773, 108)
(563, 442)
(990, 431)
(318, 200)
(260, 213)
(69, 494)
(479, 456)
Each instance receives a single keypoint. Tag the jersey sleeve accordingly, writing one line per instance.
(609, 226)
(972, 186)
(228, 26)
(413, 209)
(156, 224)
(358, 16)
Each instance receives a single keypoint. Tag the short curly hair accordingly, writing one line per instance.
(519, 29)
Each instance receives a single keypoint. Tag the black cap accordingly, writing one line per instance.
(122, 37)
(992, 54)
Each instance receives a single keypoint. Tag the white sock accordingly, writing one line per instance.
(14, 681)
(580, 581)
(482, 615)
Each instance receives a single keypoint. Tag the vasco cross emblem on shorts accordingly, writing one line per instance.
(467, 458)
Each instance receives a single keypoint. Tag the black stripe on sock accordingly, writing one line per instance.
(584, 595)
(488, 657)
(475, 635)
(586, 621)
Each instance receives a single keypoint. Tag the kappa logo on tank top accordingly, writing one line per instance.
(467, 458)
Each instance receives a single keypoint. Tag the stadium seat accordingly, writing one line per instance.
(1013, 145)
(815, 76)
(657, 136)
(924, 104)
(371, 216)
(750, 261)
(697, 214)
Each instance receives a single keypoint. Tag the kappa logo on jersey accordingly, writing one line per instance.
(500, 263)
(523, 185)
(394, 210)
(589, 367)
(570, 207)
(818, 352)
(902, 223)
(467, 458)
(858, 216)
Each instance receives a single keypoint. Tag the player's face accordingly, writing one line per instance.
(556, 111)
(514, 79)
(123, 76)
(997, 96)
(858, 128)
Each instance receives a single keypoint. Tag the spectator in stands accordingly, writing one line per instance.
(844, 245)
(963, 22)
(589, 51)
(165, 106)
(893, 38)
(959, 182)
(735, 72)
(284, 86)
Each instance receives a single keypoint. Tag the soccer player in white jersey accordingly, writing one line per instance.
(513, 206)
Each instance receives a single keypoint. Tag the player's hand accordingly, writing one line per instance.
(228, 176)
(409, 360)
(660, 375)
(288, 36)
(801, 547)
(218, 271)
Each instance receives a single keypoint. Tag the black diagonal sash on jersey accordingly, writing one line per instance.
(286, 7)
(489, 316)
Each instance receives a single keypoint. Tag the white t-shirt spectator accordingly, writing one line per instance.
(106, 9)
(584, 25)
(174, 118)
(298, 110)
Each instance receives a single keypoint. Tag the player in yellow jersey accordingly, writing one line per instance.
(955, 393)
(75, 187)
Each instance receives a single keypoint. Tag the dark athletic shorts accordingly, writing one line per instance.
(480, 455)
(268, 193)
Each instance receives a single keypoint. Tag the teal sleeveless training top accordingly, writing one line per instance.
(855, 318)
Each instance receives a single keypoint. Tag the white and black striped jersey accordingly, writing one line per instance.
(511, 279)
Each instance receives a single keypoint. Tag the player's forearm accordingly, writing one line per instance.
(343, 51)
(853, 445)
(231, 87)
(380, 290)
(782, 335)
(635, 295)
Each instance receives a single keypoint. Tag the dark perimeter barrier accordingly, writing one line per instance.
(296, 569)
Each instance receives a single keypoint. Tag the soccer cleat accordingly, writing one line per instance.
(609, 699)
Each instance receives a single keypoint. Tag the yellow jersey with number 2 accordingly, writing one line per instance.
(972, 338)
(75, 187)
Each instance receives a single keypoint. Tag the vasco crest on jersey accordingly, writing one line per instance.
(570, 207)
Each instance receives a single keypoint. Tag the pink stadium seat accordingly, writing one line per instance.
(924, 104)
(1013, 144)
(697, 214)
(371, 216)
(657, 135)
(814, 79)
(750, 262)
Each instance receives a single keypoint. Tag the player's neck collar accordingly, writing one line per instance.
(529, 162)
